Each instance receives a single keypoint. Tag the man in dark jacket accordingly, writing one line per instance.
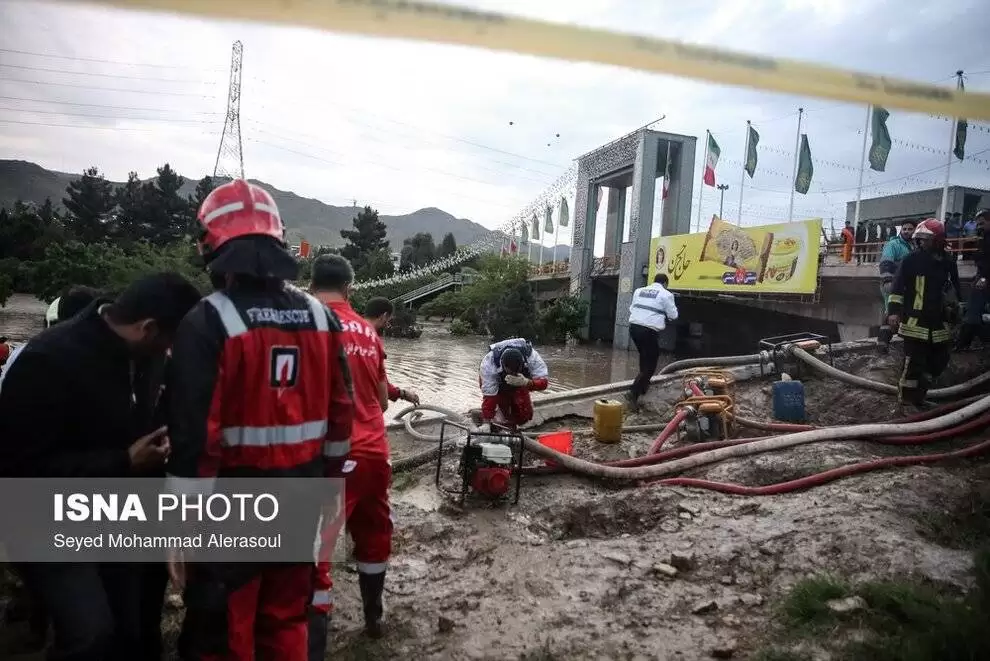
(69, 408)
(920, 302)
(978, 292)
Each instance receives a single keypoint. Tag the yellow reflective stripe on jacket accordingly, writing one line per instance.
(895, 298)
(919, 293)
(911, 329)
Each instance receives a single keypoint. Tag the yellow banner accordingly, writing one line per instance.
(449, 24)
(779, 258)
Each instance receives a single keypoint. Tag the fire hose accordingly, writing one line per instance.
(867, 431)
(715, 361)
(825, 476)
(862, 382)
(696, 448)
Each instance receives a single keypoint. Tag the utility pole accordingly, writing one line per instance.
(230, 155)
(721, 197)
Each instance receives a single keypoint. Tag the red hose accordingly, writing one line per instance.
(696, 389)
(824, 477)
(687, 450)
(668, 431)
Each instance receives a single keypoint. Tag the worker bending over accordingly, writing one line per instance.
(258, 387)
(509, 371)
(378, 312)
(368, 471)
(922, 301)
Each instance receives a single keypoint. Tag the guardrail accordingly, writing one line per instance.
(869, 252)
(443, 283)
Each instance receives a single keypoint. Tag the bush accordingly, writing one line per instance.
(459, 327)
(403, 324)
(562, 318)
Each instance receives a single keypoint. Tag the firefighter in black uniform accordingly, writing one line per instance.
(922, 304)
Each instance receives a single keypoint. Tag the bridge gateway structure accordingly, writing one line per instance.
(626, 176)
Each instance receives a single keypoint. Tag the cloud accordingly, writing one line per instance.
(405, 125)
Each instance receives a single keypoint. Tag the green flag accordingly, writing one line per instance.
(880, 147)
(536, 228)
(805, 169)
(961, 126)
(548, 220)
(564, 213)
(752, 139)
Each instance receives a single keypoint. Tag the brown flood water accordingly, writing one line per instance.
(442, 368)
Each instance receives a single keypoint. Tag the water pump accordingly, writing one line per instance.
(487, 464)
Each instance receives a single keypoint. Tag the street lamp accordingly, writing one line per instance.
(721, 196)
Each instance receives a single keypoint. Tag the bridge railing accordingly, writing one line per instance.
(442, 283)
(869, 252)
(550, 268)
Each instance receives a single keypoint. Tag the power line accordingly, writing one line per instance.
(100, 105)
(147, 119)
(101, 61)
(104, 89)
(76, 126)
(105, 75)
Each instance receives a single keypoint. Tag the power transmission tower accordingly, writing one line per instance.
(230, 157)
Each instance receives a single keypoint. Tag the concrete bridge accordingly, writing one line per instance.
(846, 306)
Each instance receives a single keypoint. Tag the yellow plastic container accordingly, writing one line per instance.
(608, 421)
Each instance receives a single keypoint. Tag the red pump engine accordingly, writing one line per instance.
(487, 468)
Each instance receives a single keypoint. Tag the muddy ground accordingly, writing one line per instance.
(585, 570)
(582, 570)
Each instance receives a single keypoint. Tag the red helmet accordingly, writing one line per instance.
(931, 227)
(234, 210)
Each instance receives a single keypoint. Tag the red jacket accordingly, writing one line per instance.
(258, 386)
(366, 360)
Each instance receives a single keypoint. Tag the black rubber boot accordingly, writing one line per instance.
(372, 587)
(319, 625)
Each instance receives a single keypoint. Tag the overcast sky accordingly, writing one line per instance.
(402, 125)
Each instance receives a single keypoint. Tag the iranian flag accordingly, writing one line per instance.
(711, 160)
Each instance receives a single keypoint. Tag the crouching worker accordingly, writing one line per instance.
(509, 372)
(920, 305)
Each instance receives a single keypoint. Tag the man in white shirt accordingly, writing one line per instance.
(652, 307)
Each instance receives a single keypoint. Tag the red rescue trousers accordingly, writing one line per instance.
(515, 404)
(368, 518)
(266, 617)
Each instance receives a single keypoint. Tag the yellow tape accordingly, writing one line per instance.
(456, 25)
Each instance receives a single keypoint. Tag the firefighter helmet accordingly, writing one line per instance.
(234, 210)
(931, 227)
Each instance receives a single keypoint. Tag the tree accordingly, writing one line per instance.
(377, 265)
(563, 317)
(26, 230)
(367, 237)
(89, 202)
(203, 189)
(516, 314)
(448, 246)
(169, 219)
(129, 221)
(418, 250)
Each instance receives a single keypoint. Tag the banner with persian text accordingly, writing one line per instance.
(781, 258)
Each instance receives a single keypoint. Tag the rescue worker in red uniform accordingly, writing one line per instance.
(258, 387)
(509, 372)
(368, 470)
(378, 312)
(923, 300)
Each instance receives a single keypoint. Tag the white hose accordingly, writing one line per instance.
(941, 393)
(417, 410)
(576, 465)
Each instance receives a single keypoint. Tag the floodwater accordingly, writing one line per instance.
(442, 368)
